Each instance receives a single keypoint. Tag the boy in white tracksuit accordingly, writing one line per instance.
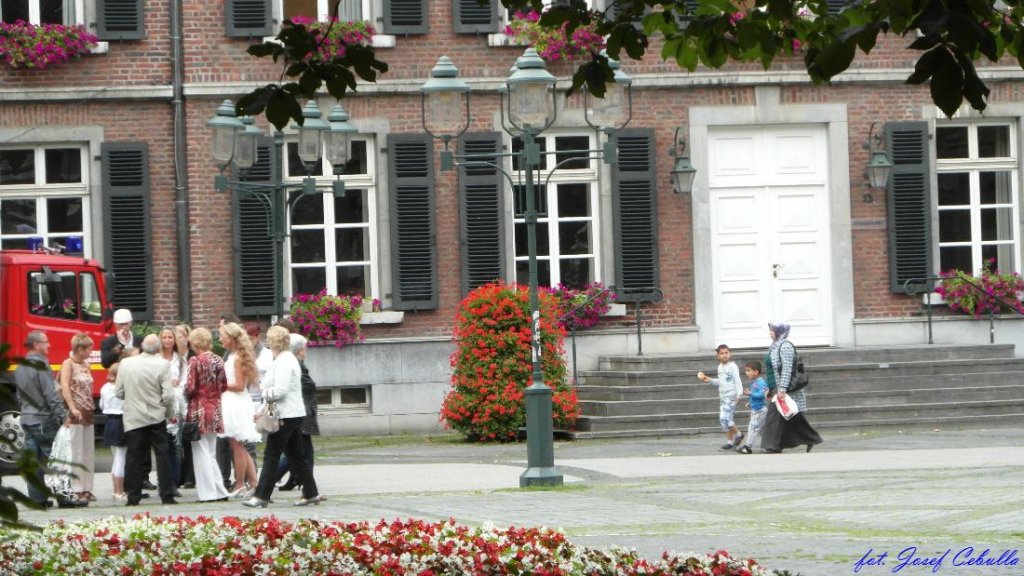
(730, 389)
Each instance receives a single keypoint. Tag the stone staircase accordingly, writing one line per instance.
(850, 387)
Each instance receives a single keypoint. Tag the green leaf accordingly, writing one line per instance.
(925, 43)
(832, 59)
(296, 68)
(947, 85)
(265, 49)
(310, 82)
(281, 108)
(925, 67)
(338, 85)
(975, 89)
(253, 103)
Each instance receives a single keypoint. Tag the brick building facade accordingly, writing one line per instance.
(781, 222)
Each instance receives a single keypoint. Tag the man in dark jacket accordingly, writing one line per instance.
(42, 411)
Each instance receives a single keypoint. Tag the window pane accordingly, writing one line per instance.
(64, 215)
(995, 188)
(997, 224)
(574, 238)
(519, 199)
(954, 189)
(308, 246)
(51, 12)
(951, 142)
(573, 200)
(14, 10)
(17, 166)
(350, 244)
(566, 143)
(956, 258)
(63, 165)
(993, 141)
(14, 244)
(90, 298)
(542, 239)
(350, 208)
(543, 273)
(295, 166)
(354, 395)
(352, 280)
(1001, 253)
(307, 209)
(300, 8)
(53, 299)
(954, 226)
(576, 272)
(18, 216)
(357, 163)
(308, 280)
(324, 396)
(517, 146)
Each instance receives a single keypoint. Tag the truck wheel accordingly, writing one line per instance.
(13, 437)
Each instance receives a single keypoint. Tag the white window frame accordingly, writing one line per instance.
(354, 183)
(372, 11)
(973, 165)
(504, 19)
(33, 13)
(337, 406)
(41, 191)
(587, 176)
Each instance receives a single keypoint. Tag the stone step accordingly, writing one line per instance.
(817, 401)
(930, 422)
(705, 361)
(680, 390)
(817, 374)
(894, 414)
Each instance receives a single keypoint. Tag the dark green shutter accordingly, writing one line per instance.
(247, 18)
(126, 189)
(837, 6)
(405, 17)
(120, 19)
(413, 246)
(613, 11)
(474, 16)
(909, 202)
(635, 196)
(255, 272)
(480, 210)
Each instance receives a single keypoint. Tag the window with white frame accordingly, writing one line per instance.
(568, 227)
(977, 196)
(43, 193)
(332, 243)
(42, 11)
(350, 397)
(344, 10)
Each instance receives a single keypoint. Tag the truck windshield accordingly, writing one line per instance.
(65, 295)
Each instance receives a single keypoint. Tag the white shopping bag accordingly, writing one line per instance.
(59, 473)
(786, 405)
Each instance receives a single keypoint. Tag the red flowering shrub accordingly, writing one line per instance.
(491, 366)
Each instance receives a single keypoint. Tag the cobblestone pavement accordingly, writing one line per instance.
(858, 496)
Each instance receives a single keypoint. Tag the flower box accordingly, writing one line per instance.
(31, 47)
(384, 317)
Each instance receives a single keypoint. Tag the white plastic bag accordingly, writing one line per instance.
(786, 406)
(59, 468)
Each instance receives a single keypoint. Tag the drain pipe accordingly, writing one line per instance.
(180, 164)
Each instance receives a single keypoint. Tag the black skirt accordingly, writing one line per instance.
(779, 433)
(113, 431)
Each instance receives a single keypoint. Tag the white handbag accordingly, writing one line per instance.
(59, 468)
(786, 405)
(268, 419)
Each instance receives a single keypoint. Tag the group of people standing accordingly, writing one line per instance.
(171, 397)
(769, 431)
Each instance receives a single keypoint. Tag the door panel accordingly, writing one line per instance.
(770, 243)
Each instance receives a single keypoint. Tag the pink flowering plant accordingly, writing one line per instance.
(326, 319)
(582, 308)
(554, 45)
(994, 285)
(24, 45)
(144, 544)
(334, 36)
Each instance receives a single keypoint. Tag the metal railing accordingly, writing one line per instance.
(572, 326)
(638, 296)
(931, 280)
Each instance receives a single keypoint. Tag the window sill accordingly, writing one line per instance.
(615, 309)
(499, 39)
(386, 317)
(383, 41)
(101, 47)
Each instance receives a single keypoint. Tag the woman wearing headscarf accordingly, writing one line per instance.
(780, 433)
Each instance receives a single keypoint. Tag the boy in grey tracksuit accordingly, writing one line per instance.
(730, 389)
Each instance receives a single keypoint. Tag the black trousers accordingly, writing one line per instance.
(287, 440)
(141, 442)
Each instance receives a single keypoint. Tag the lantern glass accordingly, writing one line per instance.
(245, 153)
(444, 111)
(610, 111)
(878, 176)
(309, 145)
(223, 143)
(683, 174)
(530, 103)
(337, 149)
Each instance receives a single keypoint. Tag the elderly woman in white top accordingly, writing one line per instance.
(282, 385)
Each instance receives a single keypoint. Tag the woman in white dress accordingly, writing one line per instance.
(237, 405)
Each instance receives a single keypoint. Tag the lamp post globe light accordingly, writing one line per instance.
(528, 107)
(234, 144)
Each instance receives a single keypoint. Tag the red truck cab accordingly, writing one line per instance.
(59, 294)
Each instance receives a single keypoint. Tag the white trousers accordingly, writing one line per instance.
(83, 451)
(117, 466)
(209, 483)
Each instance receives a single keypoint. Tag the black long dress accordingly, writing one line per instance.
(779, 433)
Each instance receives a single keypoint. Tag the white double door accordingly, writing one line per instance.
(769, 207)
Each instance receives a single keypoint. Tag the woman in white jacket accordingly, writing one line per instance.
(282, 385)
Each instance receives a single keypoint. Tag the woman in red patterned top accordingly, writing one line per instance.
(206, 382)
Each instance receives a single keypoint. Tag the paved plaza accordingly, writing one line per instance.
(877, 497)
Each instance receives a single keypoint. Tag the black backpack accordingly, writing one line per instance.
(798, 379)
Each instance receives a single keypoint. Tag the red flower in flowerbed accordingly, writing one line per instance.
(492, 363)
